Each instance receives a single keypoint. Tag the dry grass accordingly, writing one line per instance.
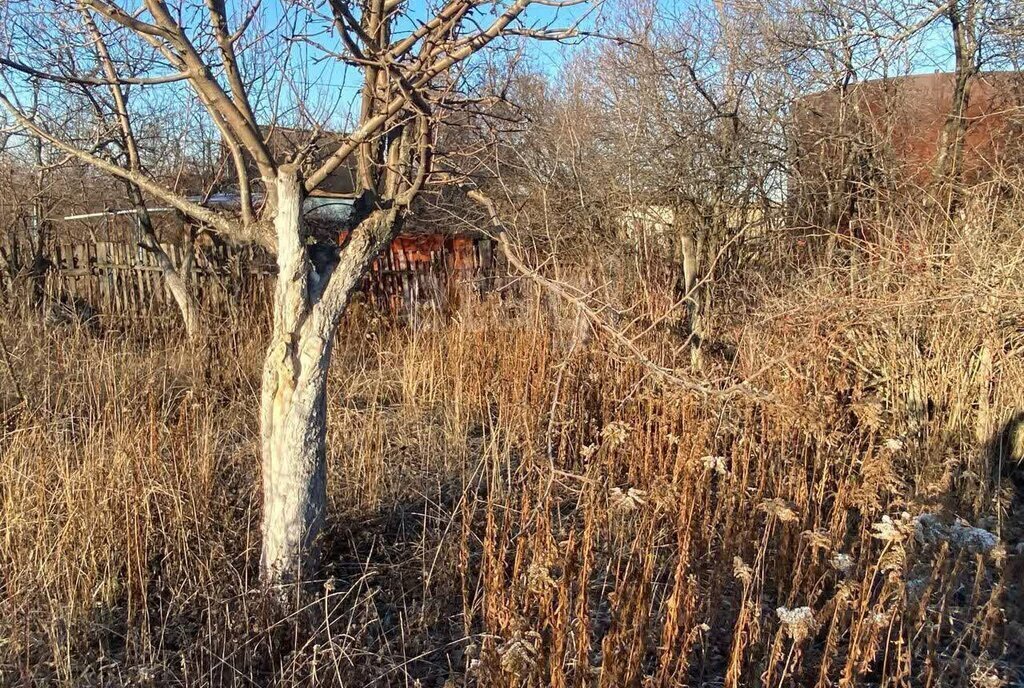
(515, 505)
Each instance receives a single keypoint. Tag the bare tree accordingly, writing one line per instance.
(132, 161)
(696, 112)
(410, 63)
(964, 17)
(29, 199)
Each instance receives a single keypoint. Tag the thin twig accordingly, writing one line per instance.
(669, 375)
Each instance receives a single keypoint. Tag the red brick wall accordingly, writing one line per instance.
(897, 124)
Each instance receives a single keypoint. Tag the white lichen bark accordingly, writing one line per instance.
(308, 303)
(293, 406)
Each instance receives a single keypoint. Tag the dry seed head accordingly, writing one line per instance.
(519, 654)
(715, 463)
(891, 531)
(817, 539)
(846, 591)
(878, 619)
(538, 578)
(987, 677)
(869, 413)
(841, 562)
(798, 622)
(741, 570)
(147, 673)
(629, 500)
(615, 434)
(893, 561)
(780, 509)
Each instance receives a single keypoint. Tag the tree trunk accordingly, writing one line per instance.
(694, 230)
(294, 427)
(308, 302)
(180, 292)
(187, 304)
(293, 407)
(39, 232)
(691, 265)
(949, 162)
(182, 295)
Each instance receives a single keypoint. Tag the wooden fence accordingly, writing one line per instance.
(125, 280)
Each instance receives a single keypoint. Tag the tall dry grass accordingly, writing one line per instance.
(520, 503)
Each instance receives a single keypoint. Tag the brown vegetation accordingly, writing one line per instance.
(696, 436)
(513, 504)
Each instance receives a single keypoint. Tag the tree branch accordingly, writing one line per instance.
(91, 81)
(661, 372)
(204, 215)
(372, 125)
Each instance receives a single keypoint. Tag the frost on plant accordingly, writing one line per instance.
(780, 509)
(715, 463)
(842, 562)
(798, 622)
(891, 530)
(627, 500)
(930, 530)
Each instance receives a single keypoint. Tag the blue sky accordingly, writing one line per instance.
(334, 88)
(334, 83)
